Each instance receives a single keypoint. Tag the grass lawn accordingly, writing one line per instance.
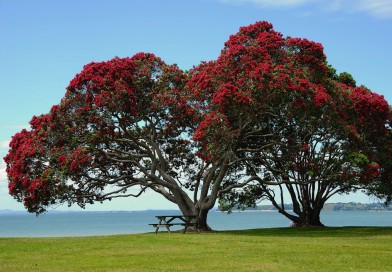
(286, 249)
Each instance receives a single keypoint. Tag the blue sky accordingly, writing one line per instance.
(44, 44)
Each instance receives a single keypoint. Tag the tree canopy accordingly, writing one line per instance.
(328, 133)
(268, 113)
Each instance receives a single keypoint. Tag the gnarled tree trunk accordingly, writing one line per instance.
(306, 211)
(309, 217)
(201, 220)
(193, 209)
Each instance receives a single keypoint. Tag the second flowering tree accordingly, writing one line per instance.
(298, 134)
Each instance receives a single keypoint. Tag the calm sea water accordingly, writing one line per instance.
(54, 224)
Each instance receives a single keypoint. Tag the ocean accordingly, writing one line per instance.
(60, 224)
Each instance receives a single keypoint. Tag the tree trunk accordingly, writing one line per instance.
(201, 216)
(309, 217)
(201, 221)
(304, 215)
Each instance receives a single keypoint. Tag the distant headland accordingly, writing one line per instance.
(351, 206)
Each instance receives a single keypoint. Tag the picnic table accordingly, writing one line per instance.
(179, 220)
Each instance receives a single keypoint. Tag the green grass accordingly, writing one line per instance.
(306, 249)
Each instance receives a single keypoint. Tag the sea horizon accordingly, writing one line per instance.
(61, 223)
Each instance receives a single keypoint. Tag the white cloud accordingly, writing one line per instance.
(3, 175)
(377, 8)
(3, 179)
(4, 144)
(381, 9)
(279, 3)
(335, 5)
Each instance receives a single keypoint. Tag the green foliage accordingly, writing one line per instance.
(359, 159)
(332, 72)
(347, 79)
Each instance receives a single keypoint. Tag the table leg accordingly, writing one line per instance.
(156, 230)
(164, 222)
(167, 225)
(187, 221)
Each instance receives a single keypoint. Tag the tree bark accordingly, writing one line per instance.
(201, 220)
(201, 216)
(304, 213)
(309, 217)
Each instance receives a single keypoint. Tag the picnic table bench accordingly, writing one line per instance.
(167, 221)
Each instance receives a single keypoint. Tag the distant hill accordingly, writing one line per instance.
(351, 206)
(6, 211)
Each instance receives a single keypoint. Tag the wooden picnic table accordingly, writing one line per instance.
(180, 220)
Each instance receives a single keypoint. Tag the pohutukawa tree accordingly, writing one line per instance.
(335, 151)
(267, 114)
(294, 128)
(124, 126)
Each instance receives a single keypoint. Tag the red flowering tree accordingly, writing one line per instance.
(332, 151)
(289, 125)
(124, 126)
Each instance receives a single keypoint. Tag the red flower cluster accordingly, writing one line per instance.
(229, 93)
(259, 69)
